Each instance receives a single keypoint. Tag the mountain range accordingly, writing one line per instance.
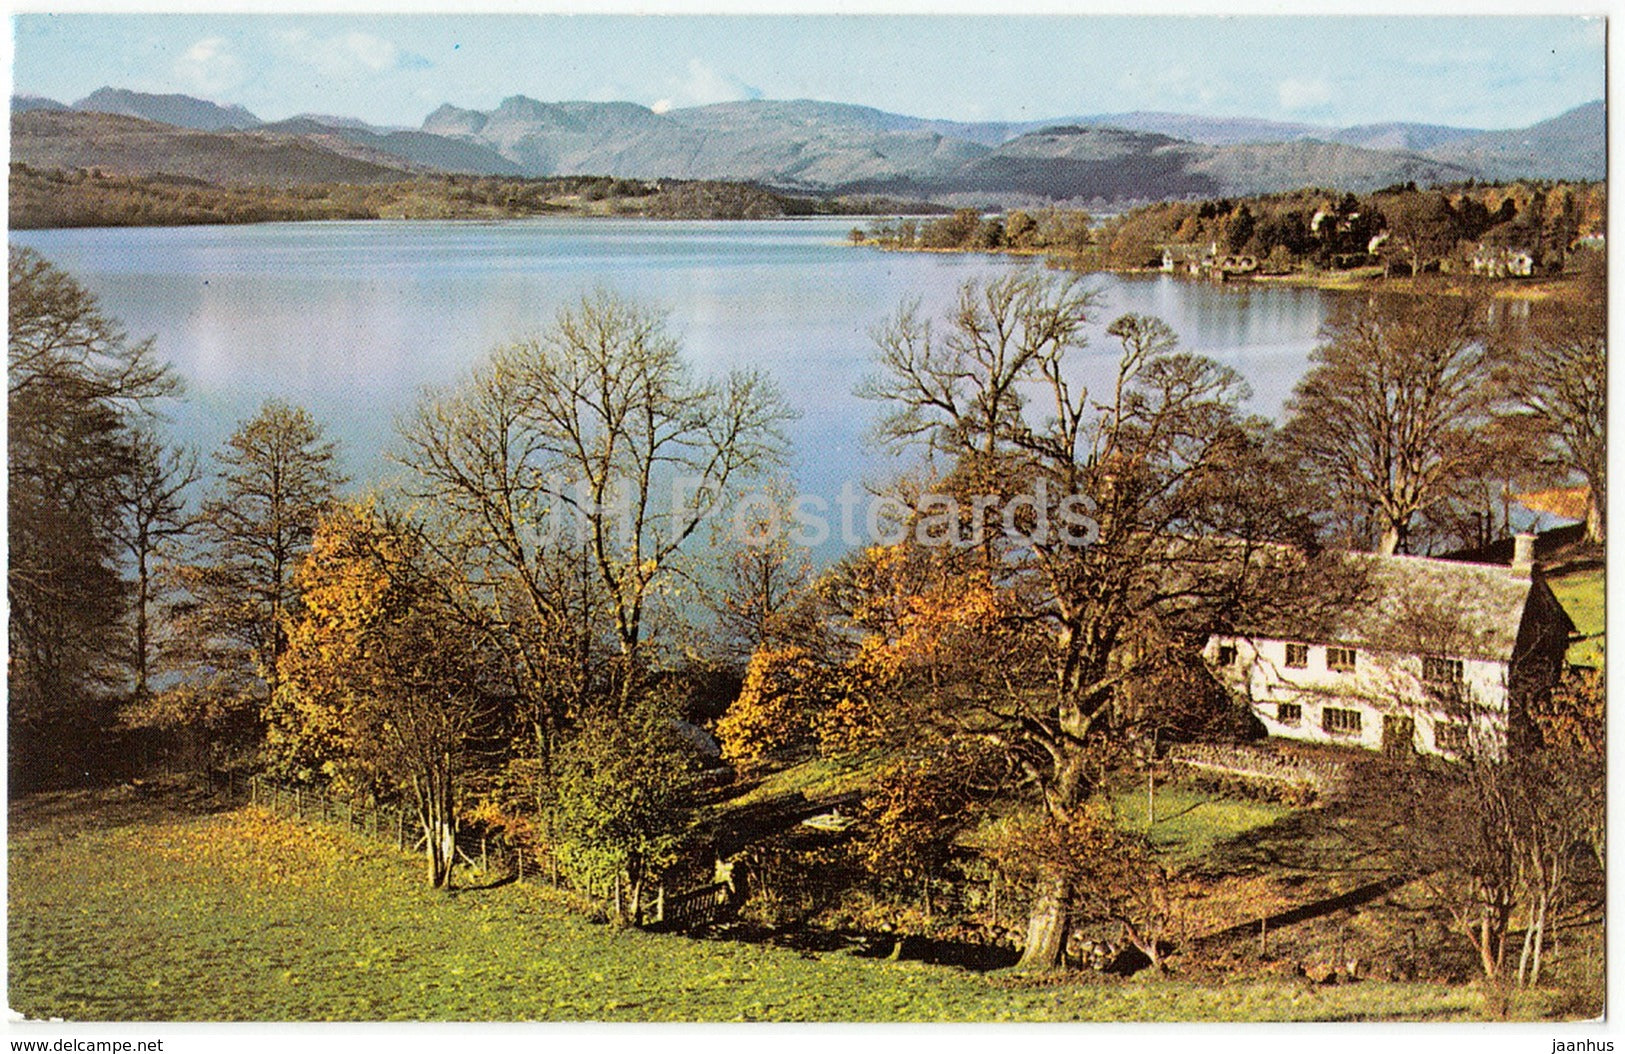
(805, 146)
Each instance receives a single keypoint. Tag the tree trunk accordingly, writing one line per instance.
(1540, 938)
(143, 600)
(436, 815)
(1047, 927)
(1392, 539)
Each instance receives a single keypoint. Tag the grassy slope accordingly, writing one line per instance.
(1583, 596)
(1189, 822)
(119, 912)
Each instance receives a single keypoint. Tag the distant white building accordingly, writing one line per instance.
(1500, 261)
(1428, 656)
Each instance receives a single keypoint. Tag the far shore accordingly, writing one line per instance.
(1355, 280)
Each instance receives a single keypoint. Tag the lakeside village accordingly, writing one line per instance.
(1526, 230)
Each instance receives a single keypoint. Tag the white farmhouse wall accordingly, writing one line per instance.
(1381, 684)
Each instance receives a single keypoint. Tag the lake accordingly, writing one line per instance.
(352, 319)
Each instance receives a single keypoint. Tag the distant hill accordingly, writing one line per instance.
(47, 139)
(1399, 136)
(1117, 165)
(1572, 145)
(820, 147)
(182, 111)
(1264, 168)
(1238, 131)
(29, 103)
(1212, 131)
(418, 149)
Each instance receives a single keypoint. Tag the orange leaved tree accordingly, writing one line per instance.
(383, 688)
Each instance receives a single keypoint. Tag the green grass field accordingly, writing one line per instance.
(120, 910)
(1189, 822)
(1583, 595)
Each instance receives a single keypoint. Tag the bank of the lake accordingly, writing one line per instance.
(1354, 280)
(47, 199)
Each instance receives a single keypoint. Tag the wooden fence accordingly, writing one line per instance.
(490, 853)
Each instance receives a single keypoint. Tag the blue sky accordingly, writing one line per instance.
(1483, 71)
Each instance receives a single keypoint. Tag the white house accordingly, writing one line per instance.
(1500, 261)
(1424, 655)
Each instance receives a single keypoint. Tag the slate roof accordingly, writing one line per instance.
(1410, 604)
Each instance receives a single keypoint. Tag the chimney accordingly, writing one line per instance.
(1523, 554)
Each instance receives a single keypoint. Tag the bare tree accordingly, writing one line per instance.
(595, 434)
(761, 583)
(1388, 419)
(276, 477)
(155, 521)
(1556, 380)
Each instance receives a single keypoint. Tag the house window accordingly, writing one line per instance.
(1340, 658)
(1451, 737)
(1441, 671)
(1227, 655)
(1288, 713)
(1297, 656)
(1340, 722)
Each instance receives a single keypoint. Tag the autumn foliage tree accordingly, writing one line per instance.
(777, 707)
(918, 806)
(1111, 514)
(1119, 881)
(383, 689)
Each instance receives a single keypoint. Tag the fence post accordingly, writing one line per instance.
(660, 903)
(483, 868)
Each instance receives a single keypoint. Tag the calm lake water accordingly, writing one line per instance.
(352, 319)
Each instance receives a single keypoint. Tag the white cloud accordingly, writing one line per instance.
(210, 67)
(703, 85)
(1304, 94)
(347, 56)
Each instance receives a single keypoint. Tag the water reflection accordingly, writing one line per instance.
(353, 319)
